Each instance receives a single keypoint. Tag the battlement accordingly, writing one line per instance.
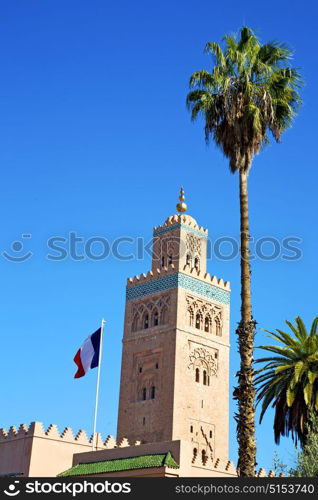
(167, 270)
(58, 456)
(180, 219)
(215, 464)
(36, 429)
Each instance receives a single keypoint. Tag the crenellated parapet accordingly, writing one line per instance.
(61, 457)
(178, 221)
(225, 467)
(37, 430)
(215, 464)
(150, 275)
(165, 271)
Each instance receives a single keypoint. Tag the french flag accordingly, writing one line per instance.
(87, 356)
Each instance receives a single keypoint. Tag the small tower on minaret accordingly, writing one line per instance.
(175, 361)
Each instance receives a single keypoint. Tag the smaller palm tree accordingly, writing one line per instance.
(289, 380)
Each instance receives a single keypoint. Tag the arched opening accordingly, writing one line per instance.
(205, 378)
(162, 261)
(153, 392)
(191, 429)
(218, 330)
(210, 434)
(188, 260)
(207, 324)
(164, 316)
(143, 420)
(197, 375)
(198, 321)
(144, 394)
(140, 369)
(146, 321)
(203, 455)
(195, 452)
(191, 317)
(155, 320)
(197, 263)
(135, 323)
(170, 258)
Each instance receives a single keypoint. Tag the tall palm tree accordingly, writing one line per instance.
(289, 380)
(250, 91)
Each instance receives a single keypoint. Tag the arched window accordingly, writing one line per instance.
(197, 375)
(162, 261)
(169, 259)
(140, 369)
(197, 263)
(205, 378)
(146, 320)
(191, 428)
(157, 366)
(195, 452)
(218, 330)
(203, 455)
(143, 420)
(198, 321)
(153, 392)
(210, 434)
(207, 324)
(144, 394)
(188, 260)
(155, 318)
(191, 317)
(164, 315)
(135, 323)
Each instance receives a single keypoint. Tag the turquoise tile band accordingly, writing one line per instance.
(174, 281)
(178, 226)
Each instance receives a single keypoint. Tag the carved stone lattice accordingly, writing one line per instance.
(204, 315)
(152, 312)
(193, 244)
(168, 247)
(172, 248)
(202, 357)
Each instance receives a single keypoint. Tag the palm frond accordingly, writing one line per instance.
(289, 382)
(215, 49)
(258, 95)
(314, 328)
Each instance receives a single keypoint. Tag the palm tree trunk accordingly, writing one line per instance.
(245, 391)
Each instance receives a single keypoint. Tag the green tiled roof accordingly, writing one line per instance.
(122, 464)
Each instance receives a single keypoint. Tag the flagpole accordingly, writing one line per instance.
(94, 445)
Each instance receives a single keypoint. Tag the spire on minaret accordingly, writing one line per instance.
(181, 206)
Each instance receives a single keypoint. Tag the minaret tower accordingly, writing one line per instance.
(175, 361)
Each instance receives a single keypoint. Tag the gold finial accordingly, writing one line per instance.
(181, 206)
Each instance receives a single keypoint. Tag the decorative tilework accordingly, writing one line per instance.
(204, 289)
(150, 287)
(174, 281)
(182, 226)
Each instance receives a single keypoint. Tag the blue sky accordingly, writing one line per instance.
(96, 140)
